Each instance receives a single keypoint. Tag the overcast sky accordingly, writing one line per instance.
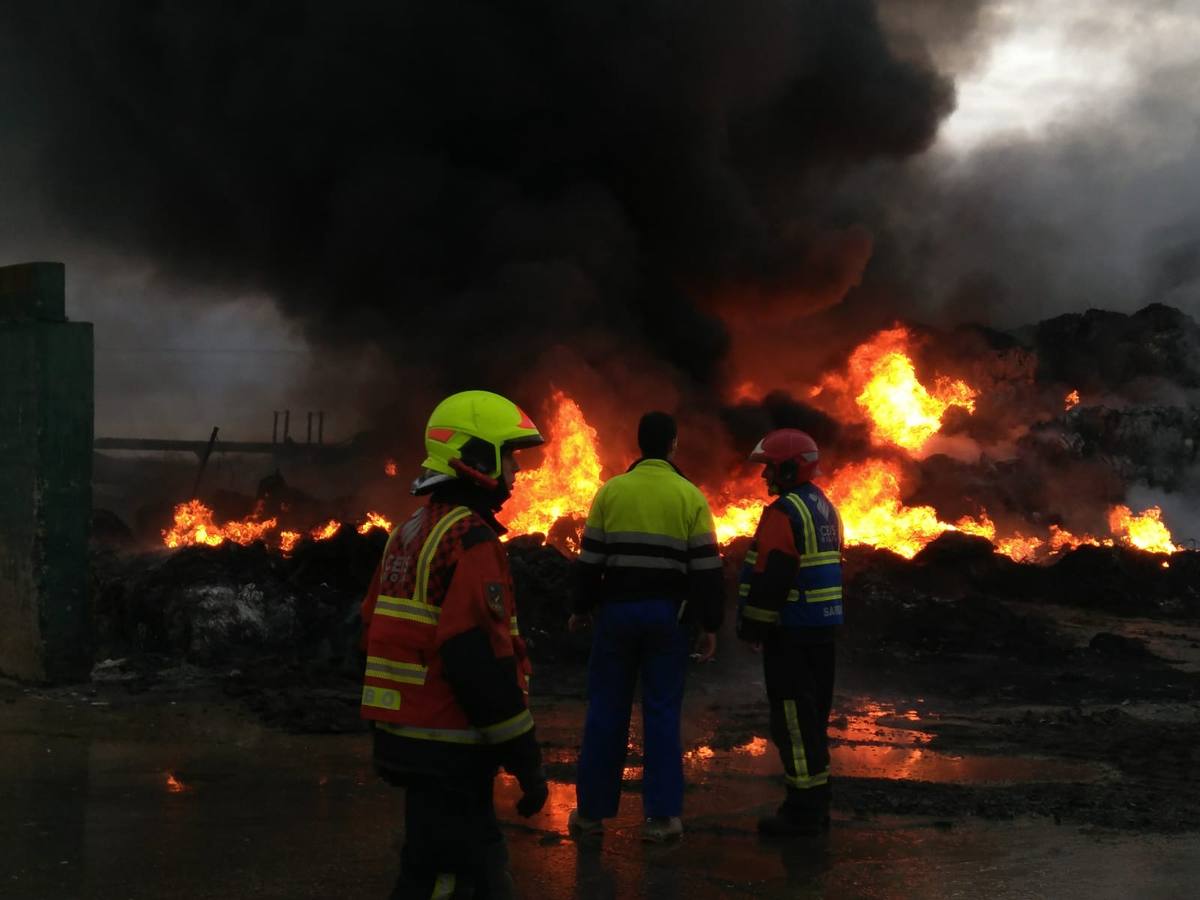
(1051, 64)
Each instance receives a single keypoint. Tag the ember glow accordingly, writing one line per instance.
(567, 479)
(1019, 547)
(901, 410)
(1061, 539)
(326, 531)
(389, 468)
(195, 525)
(374, 520)
(1071, 400)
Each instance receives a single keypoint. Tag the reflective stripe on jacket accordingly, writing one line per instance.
(650, 534)
(802, 586)
(443, 575)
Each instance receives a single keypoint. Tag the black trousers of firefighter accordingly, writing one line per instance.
(453, 847)
(798, 667)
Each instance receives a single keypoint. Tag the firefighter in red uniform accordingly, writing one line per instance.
(447, 677)
(789, 606)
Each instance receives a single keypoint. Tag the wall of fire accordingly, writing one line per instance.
(46, 414)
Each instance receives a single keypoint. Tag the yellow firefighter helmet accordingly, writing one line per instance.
(466, 435)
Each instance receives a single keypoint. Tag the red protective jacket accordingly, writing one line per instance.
(446, 664)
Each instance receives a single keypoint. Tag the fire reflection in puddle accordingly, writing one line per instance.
(756, 746)
(869, 739)
(876, 723)
(876, 740)
(559, 804)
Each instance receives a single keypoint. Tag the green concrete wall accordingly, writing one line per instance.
(46, 412)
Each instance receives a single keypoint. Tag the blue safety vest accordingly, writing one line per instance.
(815, 599)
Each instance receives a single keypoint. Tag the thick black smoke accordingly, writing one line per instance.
(466, 183)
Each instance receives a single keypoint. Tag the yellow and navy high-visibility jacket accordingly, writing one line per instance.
(650, 534)
(792, 576)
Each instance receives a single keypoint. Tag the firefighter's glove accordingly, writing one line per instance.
(534, 792)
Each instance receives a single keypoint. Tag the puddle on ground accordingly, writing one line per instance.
(197, 802)
(869, 739)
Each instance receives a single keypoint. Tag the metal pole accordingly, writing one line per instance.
(308, 439)
(204, 462)
(275, 429)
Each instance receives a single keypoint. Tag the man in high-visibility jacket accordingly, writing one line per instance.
(789, 607)
(648, 567)
(446, 681)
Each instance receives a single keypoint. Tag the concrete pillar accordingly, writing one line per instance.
(46, 412)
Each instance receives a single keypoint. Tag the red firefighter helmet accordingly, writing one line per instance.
(792, 455)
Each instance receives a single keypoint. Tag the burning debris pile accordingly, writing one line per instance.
(194, 526)
(967, 476)
(899, 437)
(231, 603)
(281, 630)
(217, 603)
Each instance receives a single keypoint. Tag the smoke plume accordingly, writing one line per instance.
(466, 183)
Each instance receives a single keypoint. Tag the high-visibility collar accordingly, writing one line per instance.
(654, 462)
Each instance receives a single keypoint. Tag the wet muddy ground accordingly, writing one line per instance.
(999, 730)
(976, 775)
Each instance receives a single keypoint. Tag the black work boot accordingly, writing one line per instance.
(790, 824)
(802, 814)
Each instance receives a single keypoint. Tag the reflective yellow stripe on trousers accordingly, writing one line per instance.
(443, 887)
(802, 779)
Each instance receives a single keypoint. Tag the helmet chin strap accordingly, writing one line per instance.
(480, 478)
(496, 489)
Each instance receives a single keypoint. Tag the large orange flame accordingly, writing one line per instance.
(736, 507)
(900, 409)
(868, 498)
(553, 498)
(1145, 531)
(567, 479)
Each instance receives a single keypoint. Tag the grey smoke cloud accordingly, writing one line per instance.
(1081, 192)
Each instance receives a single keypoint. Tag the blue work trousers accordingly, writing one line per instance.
(632, 638)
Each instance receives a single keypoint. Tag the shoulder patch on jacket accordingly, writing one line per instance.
(477, 533)
(495, 598)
